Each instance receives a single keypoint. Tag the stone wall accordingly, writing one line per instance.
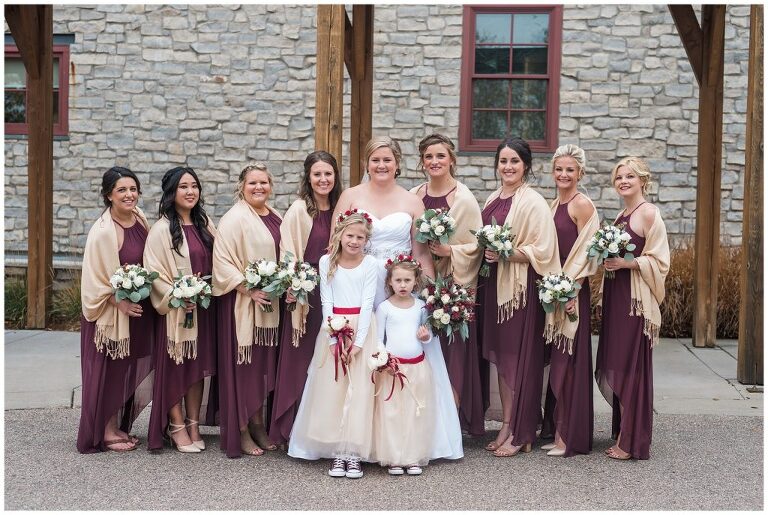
(214, 87)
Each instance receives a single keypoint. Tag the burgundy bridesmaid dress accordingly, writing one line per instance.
(243, 388)
(515, 346)
(464, 359)
(117, 386)
(294, 362)
(624, 366)
(171, 380)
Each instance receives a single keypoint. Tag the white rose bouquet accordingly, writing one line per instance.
(190, 288)
(132, 282)
(611, 241)
(557, 289)
(449, 306)
(382, 361)
(498, 238)
(435, 225)
(297, 277)
(259, 274)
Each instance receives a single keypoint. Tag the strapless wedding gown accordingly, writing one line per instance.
(391, 236)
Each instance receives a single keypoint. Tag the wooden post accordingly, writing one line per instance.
(32, 29)
(710, 145)
(750, 356)
(330, 79)
(361, 71)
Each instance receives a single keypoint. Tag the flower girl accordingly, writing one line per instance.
(335, 417)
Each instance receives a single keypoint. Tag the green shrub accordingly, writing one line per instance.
(15, 302)
(66, 304)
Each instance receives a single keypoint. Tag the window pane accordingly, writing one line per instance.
(491, 59)
(529, 60)
(15, 110)
(529, 94)
(490, 93)
(493, 28)
(15, 75)
(530, 28)
(529, 126)
(56, 73)
(489, 124)
(55, 106)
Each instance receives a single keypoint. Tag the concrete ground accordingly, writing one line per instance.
(707, 454)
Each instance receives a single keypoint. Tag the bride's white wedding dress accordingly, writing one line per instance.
(392, 236)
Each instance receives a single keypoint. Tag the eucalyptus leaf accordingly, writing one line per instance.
(134, 296)
(629, 256)
(120, 295)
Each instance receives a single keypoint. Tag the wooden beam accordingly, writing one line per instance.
(330, 79)
(690, 34)
(750, 355)
(710, 145)
(361, 71)
(349, 40)
(24, 23)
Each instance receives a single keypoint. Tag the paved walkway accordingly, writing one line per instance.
(707, 454)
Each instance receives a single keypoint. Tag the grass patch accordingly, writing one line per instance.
(15, 302)
(66, 305)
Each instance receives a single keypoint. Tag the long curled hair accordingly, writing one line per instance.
(523, 150)
(305, 188)
(167, 208)
(110, 178)
(334, 247)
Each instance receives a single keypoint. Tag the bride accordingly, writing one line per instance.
(393, 210)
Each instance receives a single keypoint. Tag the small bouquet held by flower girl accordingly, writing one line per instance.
(190, 288)
(611, 241)
(495, 237)
(339, 329)
(382, 361)
(297, 277)
(435, 225)
(259, 274)
(450, 306)
(557, 289)
(132, 282)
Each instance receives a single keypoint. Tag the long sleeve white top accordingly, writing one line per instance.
(399, 325)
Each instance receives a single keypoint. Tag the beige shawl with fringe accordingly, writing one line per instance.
(100, 261)
(243, 237)
(160, 257)
(536, 238)
(647, 282)
(577, 266)
(294, 234)
(464, 261)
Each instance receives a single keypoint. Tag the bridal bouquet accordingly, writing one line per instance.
(132, 282)
(383, 361)
(435, 225)
(190, 288)
(260, 274)
(450, 306)
(297, 277)
(557, 289)
(498, 238)
(611, 241)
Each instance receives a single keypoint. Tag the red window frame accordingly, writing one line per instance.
(60, 128)
(467, 142)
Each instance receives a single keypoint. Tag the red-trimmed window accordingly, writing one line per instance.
(510, 76)
(16, 91)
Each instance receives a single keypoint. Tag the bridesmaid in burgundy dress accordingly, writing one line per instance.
(181, 243)
(511, 318)
(631, 317)
(117, 384)
(305, 232)
(570, 376)
(466, 366)
(248, 331)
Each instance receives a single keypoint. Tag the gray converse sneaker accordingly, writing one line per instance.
(354, 470)
(338, 468)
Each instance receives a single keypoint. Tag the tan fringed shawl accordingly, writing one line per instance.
(160, 257)
(577, 266)
(464, 261)
(294, 234)
(101, 259)
(536, 237)
(242, 238)
(647, 282)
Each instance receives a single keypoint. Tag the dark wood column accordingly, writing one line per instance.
(330, 79)
(359, 54)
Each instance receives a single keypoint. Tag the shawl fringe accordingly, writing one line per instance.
(180, 350)
(263, 337)
(115, 349)
(506, 310)
(650, 329)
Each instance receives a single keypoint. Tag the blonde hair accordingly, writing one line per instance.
(380, 142)
(334, 247)
(261, 167)
(411, 266)
(572, 151)
(437, 139)
(638, 166)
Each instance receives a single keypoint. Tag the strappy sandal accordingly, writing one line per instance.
(504, 452)
(260, 437)
(175, 428)
(492, 446)
(247, 449)
(109, 444)
(200, 444)
(613, 455)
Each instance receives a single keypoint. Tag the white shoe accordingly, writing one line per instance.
(354, 470)
(556, 452)
(413, 470)
(338, 468)
(396, 471)
(548, 446)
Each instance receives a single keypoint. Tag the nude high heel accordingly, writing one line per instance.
(175, 428)
(200, 444)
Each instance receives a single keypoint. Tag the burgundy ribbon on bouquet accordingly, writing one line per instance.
(394, 365)
(342, 336)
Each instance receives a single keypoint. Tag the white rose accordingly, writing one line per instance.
(603, 243)
(451, 222)
(307, 285)
(282, 273)
(557, 287)
(547, 297)
(565, 285)
(434, 222)
(625, 237)
(302, 275)
(132, 274)
(436, 314)
(252, 277)
(425, 293)
(609, 236)
(424, 227)
(445, 319)
(613, 248)
(126, 283)
(265, 268)
(177, 293)
(439, 230)
(296, 284)
(115, 281)
(373, 363)
(445, 299)
(138, 281)
(455, 309)
(507, 245)
(430, 299)
(337, 323)
(188, 291)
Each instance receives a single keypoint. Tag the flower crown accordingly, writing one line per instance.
(402, 258)
(349, 212)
